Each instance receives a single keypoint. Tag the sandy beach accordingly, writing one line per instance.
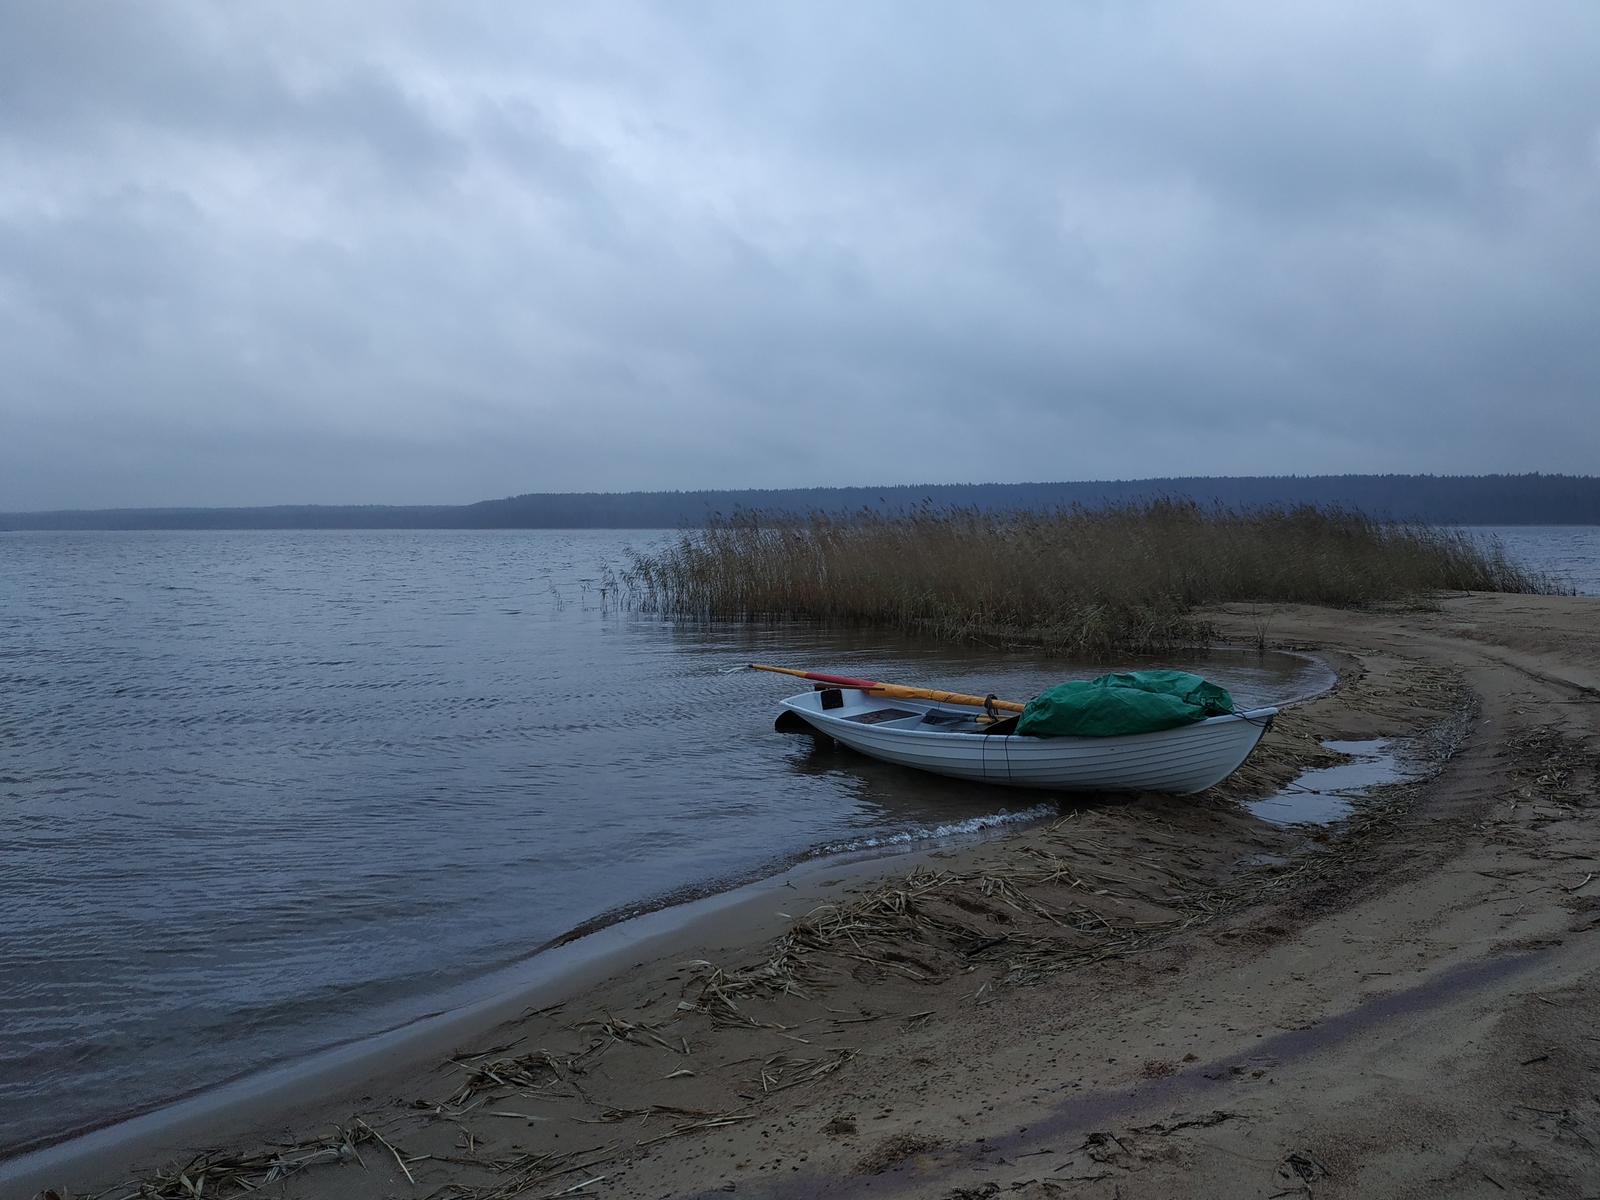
(1151, 997)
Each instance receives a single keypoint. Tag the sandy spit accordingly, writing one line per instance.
(1155, 997)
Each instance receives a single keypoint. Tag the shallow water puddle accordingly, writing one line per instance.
(1324, 796)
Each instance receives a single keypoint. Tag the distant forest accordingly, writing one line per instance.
(1436, 499)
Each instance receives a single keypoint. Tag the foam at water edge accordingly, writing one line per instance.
(955, 829)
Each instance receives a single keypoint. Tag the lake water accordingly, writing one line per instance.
(261, 793)
(1570, 553)
(264, 792)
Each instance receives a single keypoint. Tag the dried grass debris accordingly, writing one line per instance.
(1553, 770)
(226, 1173)
(524, 1172)
(532, 1074)
(783, 1071)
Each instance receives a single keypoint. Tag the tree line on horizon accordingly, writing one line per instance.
(1532, 499)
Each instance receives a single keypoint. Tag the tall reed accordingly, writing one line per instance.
(1085, 581)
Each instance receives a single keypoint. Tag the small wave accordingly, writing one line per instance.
(970, 826)
(774, 868)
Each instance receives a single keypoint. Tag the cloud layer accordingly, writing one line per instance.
(414, 252)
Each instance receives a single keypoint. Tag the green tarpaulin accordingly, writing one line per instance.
(1130, 702)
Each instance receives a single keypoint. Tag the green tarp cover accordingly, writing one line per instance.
(1130, 702)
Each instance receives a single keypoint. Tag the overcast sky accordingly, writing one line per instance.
(438, 252)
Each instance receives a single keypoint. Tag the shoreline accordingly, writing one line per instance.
(561, 968)
(565, 963)
(1367, 997)
(250, 1105)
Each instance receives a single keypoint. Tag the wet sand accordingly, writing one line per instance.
(1155, 997)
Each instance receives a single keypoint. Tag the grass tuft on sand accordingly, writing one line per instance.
(1079, 581)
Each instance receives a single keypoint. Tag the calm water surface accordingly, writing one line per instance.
(263, 792)
(1570, 553)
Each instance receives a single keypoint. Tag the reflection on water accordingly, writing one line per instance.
(262, 792)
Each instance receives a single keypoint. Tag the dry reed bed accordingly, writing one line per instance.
(1087, 581)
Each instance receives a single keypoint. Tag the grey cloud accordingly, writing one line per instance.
(362, 252)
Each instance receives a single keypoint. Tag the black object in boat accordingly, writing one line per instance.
(790, 721)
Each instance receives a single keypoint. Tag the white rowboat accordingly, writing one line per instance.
(949, 739)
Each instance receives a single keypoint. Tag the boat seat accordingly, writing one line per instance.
(879, 715)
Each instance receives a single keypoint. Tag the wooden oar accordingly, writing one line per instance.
(898, 691)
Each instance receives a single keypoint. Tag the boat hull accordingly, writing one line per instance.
(947, 740)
